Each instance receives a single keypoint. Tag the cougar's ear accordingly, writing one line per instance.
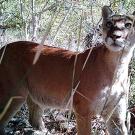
(106, 12)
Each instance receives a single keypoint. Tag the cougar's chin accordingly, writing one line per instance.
(114, 45)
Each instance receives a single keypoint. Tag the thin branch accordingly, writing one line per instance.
(53, 18)
(2, 55)
(80, 30)
(47, 8)
(63, 20)
(1, 2)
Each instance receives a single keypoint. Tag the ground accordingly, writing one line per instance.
(57, 122)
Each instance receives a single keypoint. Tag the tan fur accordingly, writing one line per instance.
(48, 83)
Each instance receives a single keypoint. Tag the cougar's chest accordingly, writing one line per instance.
(109, 97)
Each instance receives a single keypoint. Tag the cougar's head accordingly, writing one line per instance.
(118, 30)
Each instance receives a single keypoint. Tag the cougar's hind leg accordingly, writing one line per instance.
(8, 110)
(35, 114)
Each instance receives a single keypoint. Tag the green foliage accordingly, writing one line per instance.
(61, 21)
(22, 15)
(10, 14)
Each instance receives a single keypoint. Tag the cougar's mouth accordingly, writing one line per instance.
(114, 44)
(118, 43)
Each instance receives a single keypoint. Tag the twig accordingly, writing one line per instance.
(2, 55)
(63, 20)
(44, 38)
(80, 29)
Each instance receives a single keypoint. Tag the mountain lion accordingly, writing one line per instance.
(97, 82)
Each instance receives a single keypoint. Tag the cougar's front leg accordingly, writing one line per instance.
(35, 114)
(116, 124)
(83, 118)
(83, 124)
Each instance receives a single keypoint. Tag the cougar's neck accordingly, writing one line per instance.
(108, 62)
(118, 62)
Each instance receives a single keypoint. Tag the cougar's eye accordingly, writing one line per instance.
(128, 25)
(109, 24)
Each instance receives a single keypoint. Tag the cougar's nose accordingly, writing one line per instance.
(116, 34)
